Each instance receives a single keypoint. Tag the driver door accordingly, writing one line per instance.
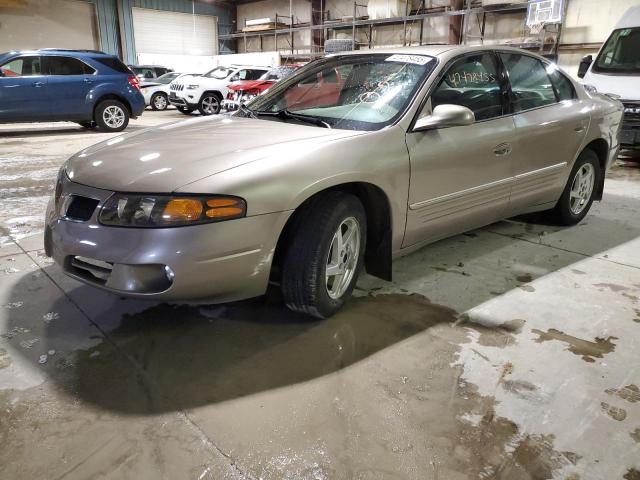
(461, 176)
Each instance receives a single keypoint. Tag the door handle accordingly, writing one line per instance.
(88, 80)
(38, 84)
(502, 149)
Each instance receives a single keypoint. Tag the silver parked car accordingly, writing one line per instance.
(355, 159)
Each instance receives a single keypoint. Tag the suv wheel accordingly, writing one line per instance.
(111, 116)
(159, 101)
(578, 194)
(209, 104)
(325, 255)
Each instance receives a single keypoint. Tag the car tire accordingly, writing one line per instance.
(314, 248)
(111, 116)
(185, 110)
(159, 101)
(210, 104)
(579, 191)
(88, 125)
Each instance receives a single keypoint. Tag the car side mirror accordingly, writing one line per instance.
(585, 63)
(445, 116)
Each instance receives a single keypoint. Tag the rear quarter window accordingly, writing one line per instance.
(113, 63)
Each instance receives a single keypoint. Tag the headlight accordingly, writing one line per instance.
(58, 190)
(125, 210)
(192, 87)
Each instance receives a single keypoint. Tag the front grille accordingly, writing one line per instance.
(81, 208)
(178, 87)
(632, 113)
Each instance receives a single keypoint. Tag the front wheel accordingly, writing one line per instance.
(209, 104)
(325, 255)
(159, 101)
(578, 194)
(111, 116)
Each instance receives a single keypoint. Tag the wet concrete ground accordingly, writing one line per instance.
(510, 352)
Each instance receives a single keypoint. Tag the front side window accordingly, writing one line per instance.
(22, 67)
(219, 73)
(473, 83)
(621, 52)
(530, 84)
(370, 93)
(66, 66)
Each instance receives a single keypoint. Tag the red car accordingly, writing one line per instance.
(244, 90)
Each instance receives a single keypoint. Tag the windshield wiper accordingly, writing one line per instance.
(284, 113)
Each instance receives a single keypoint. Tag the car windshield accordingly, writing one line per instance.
(167, 77)
(621, 52)
(278, 73)
(356, 92)
(218, 73)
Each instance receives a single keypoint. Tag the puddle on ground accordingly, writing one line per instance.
(189, 357)
(589, 351)
(500, 336)
(635, 435)
(524, 278)
(632, 474)
(5, 359)
(616, 413)
(630, 393)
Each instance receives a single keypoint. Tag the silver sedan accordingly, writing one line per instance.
(355, 159)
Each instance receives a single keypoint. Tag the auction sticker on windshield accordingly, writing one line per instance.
(416, 59)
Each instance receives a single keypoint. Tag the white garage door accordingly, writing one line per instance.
(173, 33)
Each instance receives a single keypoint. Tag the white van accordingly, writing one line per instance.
(616, 71)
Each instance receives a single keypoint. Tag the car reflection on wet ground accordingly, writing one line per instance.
(509, 352)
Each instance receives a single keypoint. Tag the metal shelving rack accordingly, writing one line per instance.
(355, 24)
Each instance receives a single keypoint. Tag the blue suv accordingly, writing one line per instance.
(83, 86)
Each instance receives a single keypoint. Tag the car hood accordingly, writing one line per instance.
(165, 158)
(250, 84)
(625, 86)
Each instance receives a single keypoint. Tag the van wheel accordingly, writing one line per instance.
(111, 116)
(325, 255)
(577, 197)
(159, 101)
(209, 104)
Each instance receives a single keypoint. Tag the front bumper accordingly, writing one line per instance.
(213, 263)
(184, 100)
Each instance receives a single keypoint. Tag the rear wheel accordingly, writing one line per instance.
(111, 116)
(325, 255)
(578, 194)
(209, 104)
(159, 101)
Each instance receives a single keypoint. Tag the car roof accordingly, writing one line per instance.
(630, 19)
(441, 51)
(65, 51)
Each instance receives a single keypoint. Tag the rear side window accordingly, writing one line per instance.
(564, 87)
(66, 66)
(473, 83)
(113, 63)
(530, 84)
(22, 67)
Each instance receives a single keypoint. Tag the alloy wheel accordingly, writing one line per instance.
(160, 102)
(113, 116)
(342, 259)
(210, 105)
(581, 188)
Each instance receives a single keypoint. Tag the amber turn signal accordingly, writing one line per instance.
(225, 208)
(182, 209)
